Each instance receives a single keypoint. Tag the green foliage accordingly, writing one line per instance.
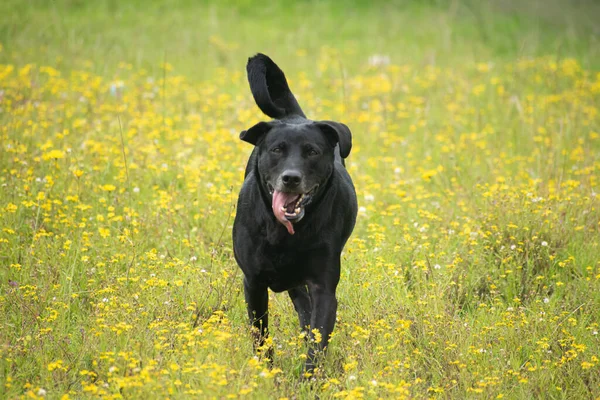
(473, 271)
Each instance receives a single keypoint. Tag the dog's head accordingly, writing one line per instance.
(295, 155)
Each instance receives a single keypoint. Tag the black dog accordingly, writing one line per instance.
(296, 209)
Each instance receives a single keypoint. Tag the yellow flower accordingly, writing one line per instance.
(53, 154)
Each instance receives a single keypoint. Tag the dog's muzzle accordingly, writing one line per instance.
(289, 207)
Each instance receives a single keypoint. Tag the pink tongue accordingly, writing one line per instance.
(280, 199)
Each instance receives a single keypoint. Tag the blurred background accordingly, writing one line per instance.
(198, 36)
(473, 269)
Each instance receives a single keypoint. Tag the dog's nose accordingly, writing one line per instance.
(291, 179)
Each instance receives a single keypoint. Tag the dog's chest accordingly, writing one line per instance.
(283, 270)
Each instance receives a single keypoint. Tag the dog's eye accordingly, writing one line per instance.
(313, 152)
(276, 150)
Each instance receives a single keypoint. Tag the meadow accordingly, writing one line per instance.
(474, 268)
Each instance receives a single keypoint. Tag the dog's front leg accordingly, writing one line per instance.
(322, 319)
(257, 301)
(302, 304)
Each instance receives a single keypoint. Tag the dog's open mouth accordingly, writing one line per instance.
(289, 207)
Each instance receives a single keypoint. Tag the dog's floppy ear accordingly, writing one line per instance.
(255, 134)
(337, 133)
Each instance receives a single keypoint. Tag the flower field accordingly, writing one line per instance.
(473, 272)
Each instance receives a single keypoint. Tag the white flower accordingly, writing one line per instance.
(437, 266)
(512, 247)
(544, 243)
(193, 258)
(41, 392)
(546, 300)
(136, 189)
(352, 378)
(369, 197)
(379, 60)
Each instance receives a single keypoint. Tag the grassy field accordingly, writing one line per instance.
(474, 269)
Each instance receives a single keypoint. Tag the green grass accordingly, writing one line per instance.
(473, 271)
(197, 37)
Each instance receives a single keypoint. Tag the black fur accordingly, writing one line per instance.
(306, 263)
(270, 88)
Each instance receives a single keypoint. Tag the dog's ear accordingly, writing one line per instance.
(337, 133)
(255, 134)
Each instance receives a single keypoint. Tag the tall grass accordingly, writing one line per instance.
(473, 271)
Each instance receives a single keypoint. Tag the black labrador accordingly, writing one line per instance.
(296, 209)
